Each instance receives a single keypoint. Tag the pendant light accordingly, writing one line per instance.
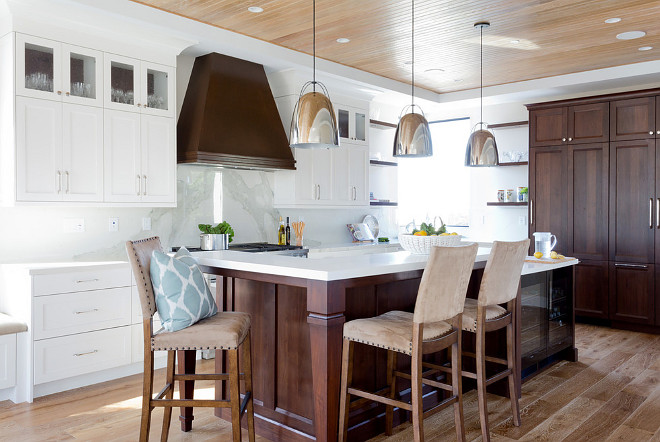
(314, 124)
(413, 136)
(481, 148)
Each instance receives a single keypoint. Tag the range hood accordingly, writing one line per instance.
(229, 117)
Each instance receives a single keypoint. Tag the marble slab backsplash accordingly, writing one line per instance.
(205, 195)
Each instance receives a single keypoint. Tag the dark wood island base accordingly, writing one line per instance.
(297, 339)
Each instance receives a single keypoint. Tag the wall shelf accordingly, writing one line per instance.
(382, 124)
(507, 204)
(383, 163)
(511, 124)
(383, 203)
(518, 163)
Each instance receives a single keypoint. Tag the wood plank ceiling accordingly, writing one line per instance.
(554, 36)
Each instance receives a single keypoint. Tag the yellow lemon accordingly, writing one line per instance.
(554, 255)
(454, 233)
(444, 234)
(561, 256)
(538, 255)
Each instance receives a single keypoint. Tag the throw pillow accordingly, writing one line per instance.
(182, 296)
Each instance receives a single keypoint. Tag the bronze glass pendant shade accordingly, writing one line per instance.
(481, 150)
(413, 136)
(314, 125)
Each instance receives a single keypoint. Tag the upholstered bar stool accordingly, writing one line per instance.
(224, 331)
(499, 285)
(435, 325)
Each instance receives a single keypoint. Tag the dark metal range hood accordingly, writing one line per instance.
(229, 117)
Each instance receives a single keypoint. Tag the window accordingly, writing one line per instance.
(438, 185)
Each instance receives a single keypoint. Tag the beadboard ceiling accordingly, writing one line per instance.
(554, 37)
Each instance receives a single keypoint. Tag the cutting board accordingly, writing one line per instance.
(548, 260)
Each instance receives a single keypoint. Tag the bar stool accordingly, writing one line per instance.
(499, 285)
(435, 325)
(224, 331)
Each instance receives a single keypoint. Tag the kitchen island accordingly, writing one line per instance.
(298, 307)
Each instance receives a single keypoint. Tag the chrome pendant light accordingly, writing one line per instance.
(314, 124)
(481, 148)
(413, 136)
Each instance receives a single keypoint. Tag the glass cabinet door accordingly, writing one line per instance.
(122, 85)
(343, 121)
(360, 124)
(534, 314)
(82, 75)
(560, 304)
(38, 67)
(158, 89)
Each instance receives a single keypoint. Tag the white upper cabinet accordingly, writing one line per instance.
(350, 176)
(353, 124)
(136, 86)
(55, 71)
(158, 159)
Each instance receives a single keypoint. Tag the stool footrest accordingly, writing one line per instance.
(488, 358)
(218, 403)
(205, 377)
(381, 399)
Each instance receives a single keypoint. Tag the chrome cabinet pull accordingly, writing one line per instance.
(80, 281)
(59, 181)
(632, 266)
(531, 212)
(650, 132)
(86, 311)
(66, 175)
(144, 192)
(86, 353)
(650, 213)
(570, 139)
(564, 140)
(139, 185)
(657, 213)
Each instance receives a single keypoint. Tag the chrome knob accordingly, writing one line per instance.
(563, 139)
(650, 132)
(570, 139)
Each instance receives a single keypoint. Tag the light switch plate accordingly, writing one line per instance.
(113, 224)
(146, 223)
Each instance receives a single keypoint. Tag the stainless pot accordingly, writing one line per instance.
(214, 241)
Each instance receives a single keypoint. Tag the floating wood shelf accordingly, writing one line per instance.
(382, 163)
(383, 203)
(510, 204)
(383, 124)
(517, 163)
(512, 124)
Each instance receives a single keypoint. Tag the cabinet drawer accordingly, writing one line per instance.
(137, 343)
(81, 279)
(136, 310)
(64, 357)
(69, 313)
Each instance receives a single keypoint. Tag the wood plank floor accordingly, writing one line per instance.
(612, 393)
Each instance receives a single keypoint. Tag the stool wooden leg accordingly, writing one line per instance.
(346, 379)
(511, 364)
(457, 388)
(167, 413)
(247, 365)
(391, 383)
(234, 394)
(481, 382)
(416, 398)
(147, 394)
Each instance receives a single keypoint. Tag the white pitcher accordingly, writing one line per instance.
(544, 242)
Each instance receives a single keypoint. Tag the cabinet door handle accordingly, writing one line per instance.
(564, 140)
(570, 139)
(86, 311)
(139, 184)
(632, 266)
(318, 186)
(144, 192)
(650, 132)
(531, 212)
(86, 353)
(59, 181)
(80, 281)
(657, 213)
(650, 213)
(68, 181)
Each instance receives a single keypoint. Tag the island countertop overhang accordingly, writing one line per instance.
(341, 267)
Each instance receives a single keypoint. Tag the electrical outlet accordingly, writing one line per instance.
(74, 225)
(146, 223)
(522, 220)
(113, 224)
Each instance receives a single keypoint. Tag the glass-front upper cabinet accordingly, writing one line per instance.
(54, 71)
(138, 86)
(353, 124)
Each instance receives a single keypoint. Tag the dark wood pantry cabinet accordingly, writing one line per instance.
(594, 181)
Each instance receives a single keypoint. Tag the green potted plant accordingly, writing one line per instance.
(216, 237)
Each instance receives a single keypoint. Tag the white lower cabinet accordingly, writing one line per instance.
(67, 356)
(7, 361)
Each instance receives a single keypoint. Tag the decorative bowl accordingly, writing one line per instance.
(421, 245)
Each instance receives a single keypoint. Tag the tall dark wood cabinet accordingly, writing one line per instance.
(607, 151)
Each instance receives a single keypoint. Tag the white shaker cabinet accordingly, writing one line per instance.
(313, 177)
(61, 152)
(139, 158)
(353, 124)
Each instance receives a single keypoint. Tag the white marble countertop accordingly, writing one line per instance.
(341, 266)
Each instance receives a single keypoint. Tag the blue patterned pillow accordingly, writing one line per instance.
(182, 296)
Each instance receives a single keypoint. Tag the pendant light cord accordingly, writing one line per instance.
(481, 88)
(412, 91)
(314, 44)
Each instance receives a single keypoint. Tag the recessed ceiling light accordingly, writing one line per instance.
(515, 42)
(613, 20)
(255, 9)
(343, 40)
(407, 63)
(434, 71)
(457, 80)
(646, 48)
(631, 35)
